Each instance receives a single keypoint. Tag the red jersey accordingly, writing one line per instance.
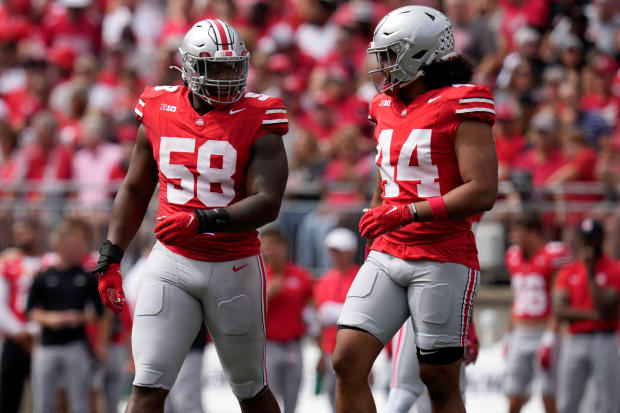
(531, 279)
(574, 280)
(331, 291)
(417, 161)
(285, 310)
(18, 271)
(203, 160)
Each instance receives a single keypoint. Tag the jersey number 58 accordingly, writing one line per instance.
(214, 186)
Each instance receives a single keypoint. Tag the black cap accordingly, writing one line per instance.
(591, 231)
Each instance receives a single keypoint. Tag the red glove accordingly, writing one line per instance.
(472, 347)
(384, 218)
(111, 287)
(176, 227)
(544, 355)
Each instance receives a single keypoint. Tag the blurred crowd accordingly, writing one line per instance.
(72, 70)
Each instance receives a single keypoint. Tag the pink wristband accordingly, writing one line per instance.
(438, 208)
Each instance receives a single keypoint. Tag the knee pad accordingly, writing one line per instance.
(440, 356)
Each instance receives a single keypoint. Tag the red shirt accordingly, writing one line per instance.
(203, 160)
(285, 310)
(18, 270)
(508, 148)
(332, 290)
(82, 35)
(417, 161)
(574, 280)
(530, 279)
(540, 168)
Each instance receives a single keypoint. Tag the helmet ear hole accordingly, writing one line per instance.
(419, 55)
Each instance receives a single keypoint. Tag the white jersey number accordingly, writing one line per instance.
(530, 295)
(214, 186)
(425, 172)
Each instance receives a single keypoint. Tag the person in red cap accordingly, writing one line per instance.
(289, 289)
(586, 297)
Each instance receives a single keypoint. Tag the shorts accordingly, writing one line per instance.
(176, 294)
(438, 296)
(522, 366)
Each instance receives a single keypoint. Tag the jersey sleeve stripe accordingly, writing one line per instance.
(475, 110)
(372, 120)
(477, 100)
(141, 102)
(138, 112)
(271, 111)
(271, 121)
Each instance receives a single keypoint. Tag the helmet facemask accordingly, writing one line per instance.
(389, 68)
(220, 79)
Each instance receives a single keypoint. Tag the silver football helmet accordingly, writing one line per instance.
(214, 62)
(405, 41)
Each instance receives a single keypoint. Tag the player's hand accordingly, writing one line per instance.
(544, 354)
(384, 218)
(177, 227)
(472, 347)
(111, 287)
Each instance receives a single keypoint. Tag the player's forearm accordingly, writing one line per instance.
(127, 214)
(605, 304)
(462, 202)
(568, 313)
(252, 212)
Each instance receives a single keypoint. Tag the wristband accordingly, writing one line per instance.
(438, 208)
(211, 220)
(108, 254)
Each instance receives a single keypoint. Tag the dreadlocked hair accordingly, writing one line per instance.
(447, 72)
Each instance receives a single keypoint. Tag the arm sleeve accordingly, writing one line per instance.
(475, 103)
(274, 118)
(8, 322)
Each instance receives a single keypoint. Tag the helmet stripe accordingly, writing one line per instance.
(222, 32)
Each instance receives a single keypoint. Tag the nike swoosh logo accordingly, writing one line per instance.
(235, 268)
(427, 352)
(232, 112)
(391, 210)
(191, 219)
(433, 99)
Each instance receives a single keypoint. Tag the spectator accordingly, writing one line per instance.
(289, 288)
(18, 267)
(586, 298)
(545, 156)
(472, 36)
(8, 149)
(72, 22)
(306, 164)
(93, 164)
(603, 24)
(63, 299)
(509, 142)
(329, 296)
(44, 161)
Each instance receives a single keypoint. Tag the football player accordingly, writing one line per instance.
(532, 264)
(218, 156)
(437, 168)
